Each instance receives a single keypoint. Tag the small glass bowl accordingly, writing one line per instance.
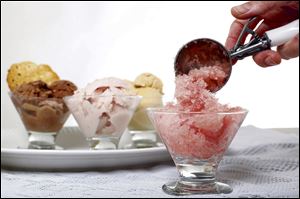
(142, 131)
(102, 118)
(197, 143)
(42, 117)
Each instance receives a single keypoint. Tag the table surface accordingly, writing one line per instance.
(259, 163)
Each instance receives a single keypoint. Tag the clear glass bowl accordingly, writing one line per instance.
(42, 117)
(197, 143)
(141, 129)
(102, 119)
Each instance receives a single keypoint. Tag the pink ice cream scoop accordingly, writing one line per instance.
(103, 109)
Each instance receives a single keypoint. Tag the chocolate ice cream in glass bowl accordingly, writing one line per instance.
(42, 110)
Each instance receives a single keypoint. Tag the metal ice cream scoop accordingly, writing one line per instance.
(207, 52)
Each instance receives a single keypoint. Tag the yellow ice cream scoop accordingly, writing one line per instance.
(148, 80)
(150, 88)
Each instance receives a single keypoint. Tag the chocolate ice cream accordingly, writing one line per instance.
(62, 88)
(34, 89)
(41, 107)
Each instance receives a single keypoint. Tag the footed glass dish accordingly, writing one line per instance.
(197, 142)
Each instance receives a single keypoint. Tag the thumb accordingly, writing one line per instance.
(290, 49)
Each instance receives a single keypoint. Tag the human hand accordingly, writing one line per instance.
(274, 14)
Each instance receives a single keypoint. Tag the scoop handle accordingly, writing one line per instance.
(281, 35)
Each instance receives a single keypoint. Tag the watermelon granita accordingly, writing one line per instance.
(198, 126)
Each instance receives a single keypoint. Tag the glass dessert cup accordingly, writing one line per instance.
(197, 142)
(102, 119)
(42, 117)
(142, 131)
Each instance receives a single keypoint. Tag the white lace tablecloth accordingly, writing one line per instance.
(259, 163)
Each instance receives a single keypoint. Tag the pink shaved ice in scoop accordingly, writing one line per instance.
(197, 125)
(192, 93)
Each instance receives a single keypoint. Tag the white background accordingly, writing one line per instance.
(83, 41)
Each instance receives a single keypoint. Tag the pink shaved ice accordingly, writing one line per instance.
(198, 126)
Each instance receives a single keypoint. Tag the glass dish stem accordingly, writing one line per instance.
(196, 177)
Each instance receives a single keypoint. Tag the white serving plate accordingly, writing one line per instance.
(76, 154)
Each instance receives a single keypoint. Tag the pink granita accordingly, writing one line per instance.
(192, 93)
(198, 126)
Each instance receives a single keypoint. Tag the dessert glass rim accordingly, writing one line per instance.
(166, 111)
(11, 93)
(101, 95)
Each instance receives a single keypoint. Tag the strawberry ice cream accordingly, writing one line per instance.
(104, 107)
(197, 125)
